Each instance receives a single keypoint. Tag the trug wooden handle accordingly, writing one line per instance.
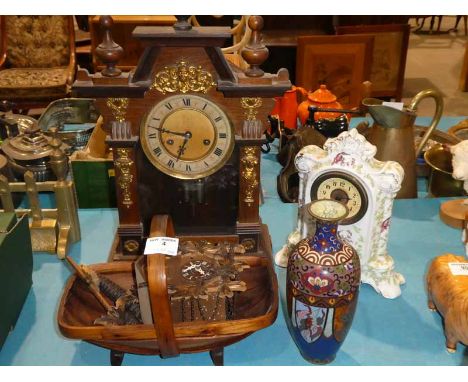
(161, 225)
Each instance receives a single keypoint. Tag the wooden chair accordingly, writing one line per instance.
(241, 33)
(37, 59)
(457, 20)
(431, 27)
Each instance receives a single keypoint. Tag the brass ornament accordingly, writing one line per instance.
(248, 244)
(250, 106)
(249, 163)
(118, 107)
(131, 245)
(124, 164)
(183, 78)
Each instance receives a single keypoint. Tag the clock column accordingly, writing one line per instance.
(130, 231)
(248, 222)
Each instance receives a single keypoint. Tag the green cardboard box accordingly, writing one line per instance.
(94, 183)
(16, 264)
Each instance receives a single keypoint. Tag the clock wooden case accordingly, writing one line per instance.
(185, 128)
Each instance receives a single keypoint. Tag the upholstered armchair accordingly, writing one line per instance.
(37, 59)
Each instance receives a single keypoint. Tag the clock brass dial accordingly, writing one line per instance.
(345, 188)
(187, 137)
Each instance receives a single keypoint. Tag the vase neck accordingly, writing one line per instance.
(325, 238)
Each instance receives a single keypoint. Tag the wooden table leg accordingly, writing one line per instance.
(217, 356)
(116, 358)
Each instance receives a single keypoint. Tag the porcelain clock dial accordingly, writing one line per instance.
(187, 137)
(345, 188)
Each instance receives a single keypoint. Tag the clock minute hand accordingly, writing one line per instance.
(163, 130)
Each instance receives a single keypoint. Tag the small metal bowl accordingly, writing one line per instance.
(437, 137)
(75, 139)
(441, 181)
(74, 118)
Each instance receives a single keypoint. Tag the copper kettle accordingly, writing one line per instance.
(392, 133)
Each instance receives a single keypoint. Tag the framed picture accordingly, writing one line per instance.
(388, 57)
(342, 63)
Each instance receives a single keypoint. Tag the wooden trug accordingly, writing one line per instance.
(256, 308)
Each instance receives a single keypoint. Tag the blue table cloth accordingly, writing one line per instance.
(385, 332)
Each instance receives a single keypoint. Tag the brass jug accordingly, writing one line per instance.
(392, 134)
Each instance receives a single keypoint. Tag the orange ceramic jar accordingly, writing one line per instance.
(322, 98)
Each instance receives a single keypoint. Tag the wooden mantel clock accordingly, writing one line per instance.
(185, 128)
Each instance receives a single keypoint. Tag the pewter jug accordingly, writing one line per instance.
(392, 134)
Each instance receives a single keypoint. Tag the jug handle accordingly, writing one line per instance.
(301, 90)
(439, 101)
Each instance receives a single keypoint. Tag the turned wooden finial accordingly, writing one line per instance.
(182, 23)
(108, 51)
(255, 53)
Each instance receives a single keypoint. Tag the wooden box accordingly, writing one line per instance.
(15, 269)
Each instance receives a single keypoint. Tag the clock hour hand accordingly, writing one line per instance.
(163, 130)
(181, 150)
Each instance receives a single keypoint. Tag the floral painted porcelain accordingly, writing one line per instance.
(350, 157)
(322, 285)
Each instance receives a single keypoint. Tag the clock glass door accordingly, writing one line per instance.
(200, 206)
(192, 172)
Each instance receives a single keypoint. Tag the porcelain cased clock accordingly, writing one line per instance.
(346, 170)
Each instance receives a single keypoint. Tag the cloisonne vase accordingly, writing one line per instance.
(323, 280)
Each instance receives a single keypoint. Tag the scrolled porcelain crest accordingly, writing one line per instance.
(349, 143)
(391, 177)
(307, 156)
